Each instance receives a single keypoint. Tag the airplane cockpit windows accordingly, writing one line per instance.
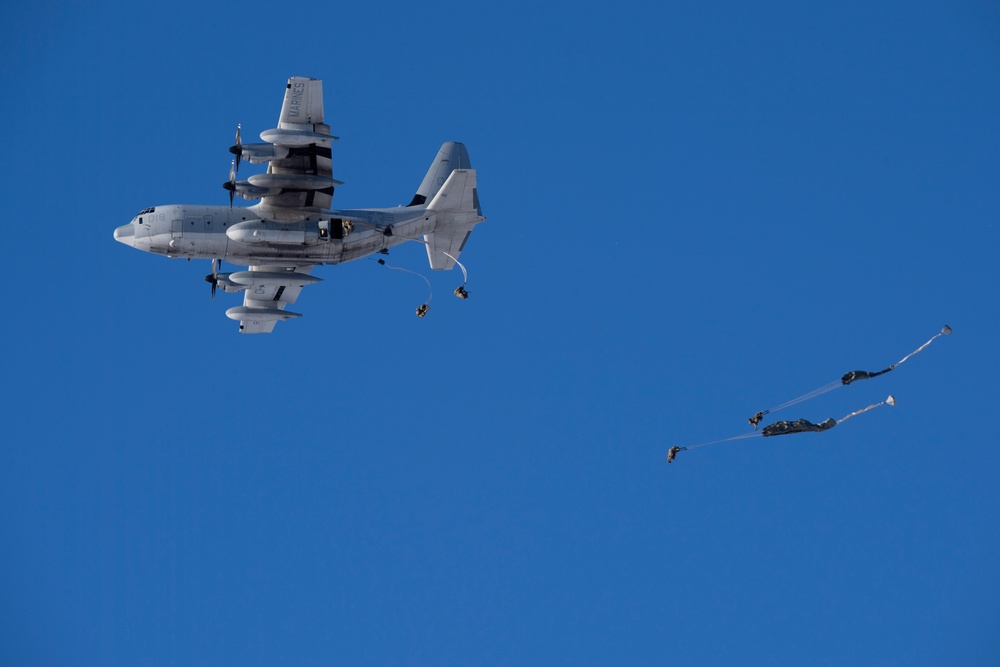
(141, 216)
(143, 212)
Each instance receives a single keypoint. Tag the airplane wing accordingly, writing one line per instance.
(301, 129)
(269, 288)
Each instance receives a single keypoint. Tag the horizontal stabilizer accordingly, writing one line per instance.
(458, 193)
(458, 211)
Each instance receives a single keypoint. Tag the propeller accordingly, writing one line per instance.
(213, 277)
(237, 149)
(231, 183)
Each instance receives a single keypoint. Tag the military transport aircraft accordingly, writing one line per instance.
(293, 229)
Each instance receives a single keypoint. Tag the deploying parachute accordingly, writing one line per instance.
(784, 428)
(801, 425)
(848, 378)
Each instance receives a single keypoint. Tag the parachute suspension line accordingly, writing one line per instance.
(805, 397)
(716, 442)
(889, 401)
(945, 331)
(756, 419)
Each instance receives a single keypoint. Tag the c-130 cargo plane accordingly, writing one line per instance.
(293, 228)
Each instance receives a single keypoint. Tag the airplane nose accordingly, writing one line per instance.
(126, 234)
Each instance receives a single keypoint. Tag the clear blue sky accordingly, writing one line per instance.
(696, 210)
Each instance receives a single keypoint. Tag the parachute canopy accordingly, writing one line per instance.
(797, 426)
(862, 375)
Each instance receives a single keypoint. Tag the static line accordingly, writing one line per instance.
(465, 274)
(430, 291)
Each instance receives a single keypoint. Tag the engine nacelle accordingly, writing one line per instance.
(224, 281)
(253, 279)
(248, 190)
(293, 138)
(261, 314)
(274, 233)
(292, 181)
(261, 153)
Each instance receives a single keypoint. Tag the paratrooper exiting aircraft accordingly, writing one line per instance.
(293, 227)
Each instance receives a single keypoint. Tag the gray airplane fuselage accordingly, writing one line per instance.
(294, 228)
(242, 235)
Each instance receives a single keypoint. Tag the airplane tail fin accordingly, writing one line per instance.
(451, 156)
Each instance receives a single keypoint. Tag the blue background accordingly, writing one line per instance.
(696, 211)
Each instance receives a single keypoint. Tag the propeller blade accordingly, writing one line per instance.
(237, 149)
(231, 183)
(213, 281)
(213, 277)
